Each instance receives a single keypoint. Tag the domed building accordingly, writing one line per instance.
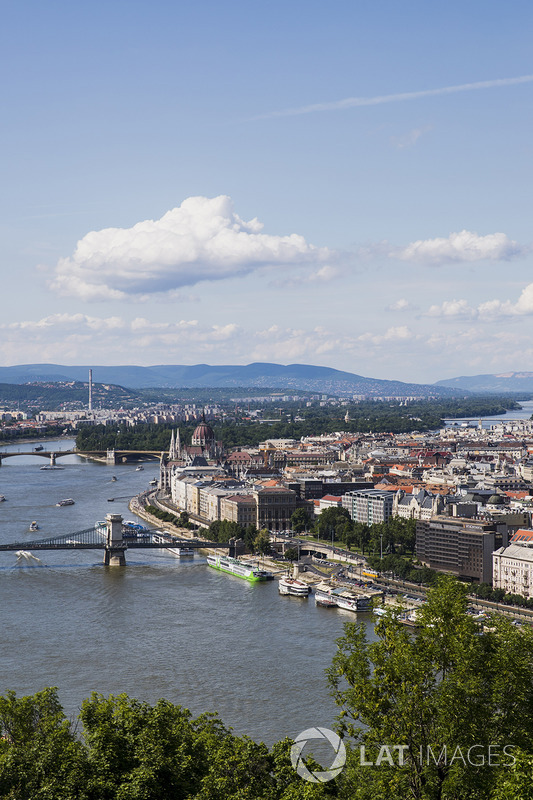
(203, 451)
(204, 437)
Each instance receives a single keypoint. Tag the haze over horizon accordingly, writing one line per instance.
(340, 185)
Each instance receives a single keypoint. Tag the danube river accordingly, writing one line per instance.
(159, 627)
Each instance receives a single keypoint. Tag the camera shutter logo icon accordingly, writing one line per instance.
(338, 748)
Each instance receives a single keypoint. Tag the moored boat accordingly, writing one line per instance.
(327, 595)
(241, 569)
(294, 587)
(351, 601)
(179, 550)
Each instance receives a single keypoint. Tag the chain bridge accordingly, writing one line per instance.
(114, 539)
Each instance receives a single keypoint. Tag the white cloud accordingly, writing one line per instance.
(400, 305)
(71, 338)
(458, 247)
(488, 310)
(201, 240)
(325, 274)
(411, 138)
(396, 333)
(452, 308)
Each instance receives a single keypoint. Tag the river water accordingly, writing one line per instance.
(159, 627)
(524, 412)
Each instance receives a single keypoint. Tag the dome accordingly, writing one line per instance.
(203, 435)
(496, 500)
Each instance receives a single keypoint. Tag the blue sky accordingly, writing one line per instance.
(344, 184)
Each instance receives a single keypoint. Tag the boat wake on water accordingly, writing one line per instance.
(27, 559)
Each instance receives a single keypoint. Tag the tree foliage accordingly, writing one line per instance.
(447, 698)
(130, 750)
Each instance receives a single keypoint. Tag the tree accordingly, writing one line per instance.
(183, 519)
(300, 520)
(291, 553)
(332, 522)
(441, 701)
(262, 542)
(40, 756)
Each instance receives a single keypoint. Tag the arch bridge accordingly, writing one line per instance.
(108, 456)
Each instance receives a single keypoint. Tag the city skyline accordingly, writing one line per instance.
(341, 186)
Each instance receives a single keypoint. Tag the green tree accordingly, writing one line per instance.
(446, 691)
(291, 553)
(262, 542)
(300, 520)
(332, 523)
(40, 756)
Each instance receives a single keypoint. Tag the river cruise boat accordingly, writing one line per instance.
(294, 587)
(241, 569)
(179, 550)
(329, 596)
(68, 502)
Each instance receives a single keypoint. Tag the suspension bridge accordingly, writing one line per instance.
(114, 539)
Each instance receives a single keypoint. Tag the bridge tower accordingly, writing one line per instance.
(115, 545)
(111, 458)
(52, 459)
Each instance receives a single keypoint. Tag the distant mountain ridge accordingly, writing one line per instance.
(294, 377)
(496, 383)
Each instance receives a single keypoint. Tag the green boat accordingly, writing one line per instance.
(239, 568)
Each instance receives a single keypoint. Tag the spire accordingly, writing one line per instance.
(178, 444)
(172, 448)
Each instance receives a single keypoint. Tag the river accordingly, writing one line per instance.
(159, 627)
(524, 412)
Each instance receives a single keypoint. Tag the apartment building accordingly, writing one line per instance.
(370, 506)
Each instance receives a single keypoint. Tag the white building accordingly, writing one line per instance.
(369, 505)
(512, 569)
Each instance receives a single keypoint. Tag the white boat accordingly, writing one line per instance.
(153, 482)
(327, 595)
(2, 498)
(241, 569)
(51, 466)
(180, 551)
(294, 587)
(352, 601)
(139, 468)
(33, 526)
(68, 502)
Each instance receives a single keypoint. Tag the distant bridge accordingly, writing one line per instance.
(114, 540)
(109, 456)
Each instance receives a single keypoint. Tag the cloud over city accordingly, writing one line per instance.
(488, 310)
(203, 239)
(458, 247)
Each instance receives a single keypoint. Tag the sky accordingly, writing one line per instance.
(344, 184)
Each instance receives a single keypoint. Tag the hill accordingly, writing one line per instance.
(294, 377)
(497, 383)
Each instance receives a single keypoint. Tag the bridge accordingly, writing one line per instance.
(114, 539)
(109, 456)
